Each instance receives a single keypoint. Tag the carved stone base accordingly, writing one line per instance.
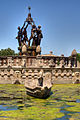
(39, 92)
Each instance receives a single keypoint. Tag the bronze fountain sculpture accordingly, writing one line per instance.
(36, 36)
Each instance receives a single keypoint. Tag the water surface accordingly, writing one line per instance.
(63, 103)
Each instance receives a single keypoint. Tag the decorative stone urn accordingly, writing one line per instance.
(38, 49)
(24, 50)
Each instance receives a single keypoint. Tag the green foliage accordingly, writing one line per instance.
(58, 62)
(7, 52)
(78, 57)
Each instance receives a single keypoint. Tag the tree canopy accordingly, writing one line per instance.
(78, 57)
(7, 52)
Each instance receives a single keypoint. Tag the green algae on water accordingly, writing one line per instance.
(60, 105)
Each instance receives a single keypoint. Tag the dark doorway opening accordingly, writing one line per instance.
(40, 81)
(77, 81)
(17, 82)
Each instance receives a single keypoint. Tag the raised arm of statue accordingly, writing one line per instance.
(26, 26)
(23, 25)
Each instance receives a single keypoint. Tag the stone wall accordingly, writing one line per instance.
(21, 75)
(65, 75)
(22, 69)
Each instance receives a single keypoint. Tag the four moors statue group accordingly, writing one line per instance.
(29, 46)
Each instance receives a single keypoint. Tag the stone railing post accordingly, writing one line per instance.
(75, 63)
(57, 62)
(9, 61)
(0, 62)
(62, 62)
(51, 63)
(39, 61)
(78, 64)
(4, 62)
(24, 61)
(69, 64)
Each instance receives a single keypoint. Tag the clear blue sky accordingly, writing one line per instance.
(60, 21)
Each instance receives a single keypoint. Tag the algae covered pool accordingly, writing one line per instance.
(63, 103)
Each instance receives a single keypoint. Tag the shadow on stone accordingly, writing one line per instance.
(17, 82)
(77, 81)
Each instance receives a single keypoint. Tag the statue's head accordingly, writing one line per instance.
(29, 15)
(18, 27)
(39, 26)
(34, 26)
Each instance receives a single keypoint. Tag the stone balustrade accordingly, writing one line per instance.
(40, 61)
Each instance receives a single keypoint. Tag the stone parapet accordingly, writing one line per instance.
(20, 69)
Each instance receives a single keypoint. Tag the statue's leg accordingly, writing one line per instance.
(29, 43)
